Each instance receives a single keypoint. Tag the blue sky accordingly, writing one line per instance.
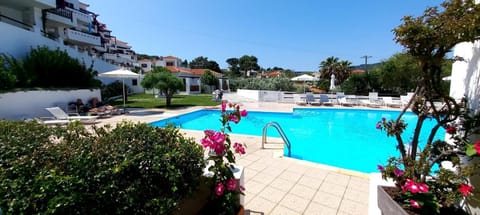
(295, 35)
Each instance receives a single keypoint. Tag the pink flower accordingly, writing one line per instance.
(219, 189)
(423, 188)
(209, 132)
(451, 130)
(231, 184)
(381, 168)
(411, 186)
(243, 113)
(465, 189)
(224, 106)
(206, 143)
(233, 118)
(398, 172)
(477, 147)
(414, 204)
(219, 148)
(239, 148)
(218, 137)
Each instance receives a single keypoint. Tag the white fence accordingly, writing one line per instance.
(31, 104)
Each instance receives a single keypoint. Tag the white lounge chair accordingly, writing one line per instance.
(343, 101)
(389, 102)
(51, 121)
(297, 98)
(59, 114)
(373, 100)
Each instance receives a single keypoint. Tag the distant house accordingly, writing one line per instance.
(190, 77)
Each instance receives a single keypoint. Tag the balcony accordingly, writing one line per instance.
(42, 4)
(15, 22)
(80, 16)
(60, 16)
(81, 38)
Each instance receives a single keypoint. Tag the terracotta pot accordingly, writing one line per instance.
(387, 205)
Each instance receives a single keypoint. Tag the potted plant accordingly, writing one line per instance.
(226, 190)
(423, 183)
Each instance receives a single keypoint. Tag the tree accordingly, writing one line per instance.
(208, 78)
(248, 63)
(234, 66)
(203, 63)
(332, 65)
(160, 78)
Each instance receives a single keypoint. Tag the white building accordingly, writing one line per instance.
(63, 24)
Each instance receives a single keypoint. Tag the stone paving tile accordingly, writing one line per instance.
(357, 196)
(327, 199)
(317, 173)
(334, 189)
(360, 184)
(303, 191)
(249, 173)
(263, 178)
(295, 203)
(352, 207)
(260, 205)
(280, 210)
(337, 178)
(272, 194)
(254, 187)
(248, 197)
(290, 176)
(275, 172)
(298, 169)
(311, 182)
(318, 209)
(243, 162)
(257, 166)
(282, 184)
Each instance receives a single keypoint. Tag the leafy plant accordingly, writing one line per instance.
(226, 190)
(129, 169)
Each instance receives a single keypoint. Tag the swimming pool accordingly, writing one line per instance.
(345, 138)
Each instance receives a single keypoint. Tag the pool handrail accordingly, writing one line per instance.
(280, 131)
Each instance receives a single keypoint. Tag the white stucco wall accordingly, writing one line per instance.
(31, 104)
(251, 94)
(466, 74)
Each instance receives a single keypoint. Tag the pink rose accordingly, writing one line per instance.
(206, 143)
(378, 126)
(233, 118)
(219, 148)
(411, 186)
(219, 189)
(239, 148)
(381, 168)
(451, 130)
(423, 188)
(218, 137)
(231, 184)
(209, 133)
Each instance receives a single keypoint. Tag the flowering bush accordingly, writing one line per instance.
(226, 190)
(424, 187)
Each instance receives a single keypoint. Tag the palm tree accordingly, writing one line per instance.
(332, 65)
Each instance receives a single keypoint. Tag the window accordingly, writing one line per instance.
(169, 63)
(134, 82)
(144, 65)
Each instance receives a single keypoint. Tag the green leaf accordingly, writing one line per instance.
(470, 150)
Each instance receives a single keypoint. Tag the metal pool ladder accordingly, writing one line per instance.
(280, 131)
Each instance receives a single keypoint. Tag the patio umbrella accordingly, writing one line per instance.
(332, 82)
(304, 78)
(122, 74)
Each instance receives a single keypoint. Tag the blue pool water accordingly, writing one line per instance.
(345, 138)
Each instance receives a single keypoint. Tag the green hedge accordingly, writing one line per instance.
(129, 169)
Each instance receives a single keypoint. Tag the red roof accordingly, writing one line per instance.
(358, 71)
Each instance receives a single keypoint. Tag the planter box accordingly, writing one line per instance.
(387, 205)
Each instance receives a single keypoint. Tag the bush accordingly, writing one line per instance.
(131, 169)
(276, 83)
(113, 89)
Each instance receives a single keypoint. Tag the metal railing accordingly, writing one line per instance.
(280, 131)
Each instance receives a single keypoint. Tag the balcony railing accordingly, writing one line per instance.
(15, 22)
(83, 38)
(61, 12)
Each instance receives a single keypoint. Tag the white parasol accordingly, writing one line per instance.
(122, 74)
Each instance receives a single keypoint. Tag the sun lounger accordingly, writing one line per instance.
(59, 114)
(310, 99)
(324, 100)
(51, 121)
(297, 98)
(343, 101)
(389, 102)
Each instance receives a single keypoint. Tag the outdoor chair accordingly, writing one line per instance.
(59, 114)
(389, 102)
(343, 101)
(310, 99)
(297, 98)
(324, 100)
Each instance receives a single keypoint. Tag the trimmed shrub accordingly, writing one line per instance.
(130, 169)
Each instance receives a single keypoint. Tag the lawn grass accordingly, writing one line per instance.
(178, 101)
